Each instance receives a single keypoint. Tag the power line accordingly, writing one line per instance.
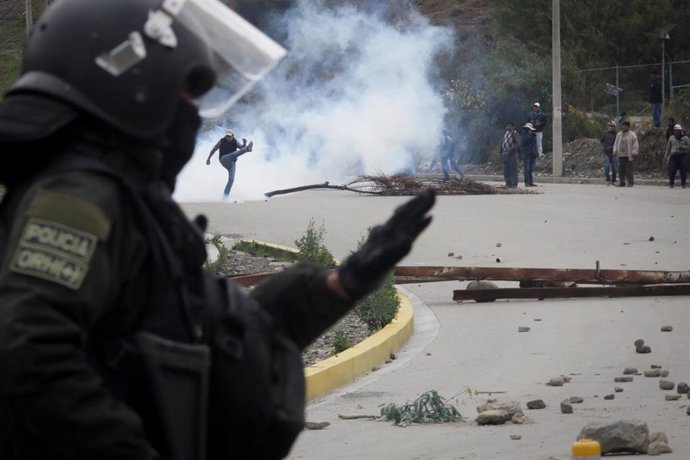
(630, 66)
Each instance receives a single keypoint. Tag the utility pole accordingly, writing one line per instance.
(29, 16)
(556, 89)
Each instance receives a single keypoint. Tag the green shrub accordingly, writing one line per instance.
(341, 342)
(380, 307)
(311, 247)
(220, 265)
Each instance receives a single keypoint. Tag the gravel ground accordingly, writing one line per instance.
(353, 327)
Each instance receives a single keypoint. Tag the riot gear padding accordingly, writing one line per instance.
(61, 54)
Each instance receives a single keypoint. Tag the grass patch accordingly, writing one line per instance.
(311, 247)
(341, 342)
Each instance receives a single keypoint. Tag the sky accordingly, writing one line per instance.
(355, 95)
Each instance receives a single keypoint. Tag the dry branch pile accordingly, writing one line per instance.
(402, 184)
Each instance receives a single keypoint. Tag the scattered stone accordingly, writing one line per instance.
(523, 329)
(375, 368)
(659, 436)
(652, 373)
(688, 411)
(658, 448)
(566, 407)
(618, 437)
(666, 385)
(428, 354)
(672, 397)
(515, 437)
(629, 371)
(665, 373)
(656, 366)
(498, 260)
(518, 418)
(498, 245)
(623, 379)
(510, 407)
(388, 361)
(393, 356)
(639, 343)
(492, 417)
(537, 319)
(610, 397)
(651, 238)
(576, 400)
(666, 328)
(451, 254)
(618, 390)
(683, 388)
(556, 382)
(536, 404)
(316, 425)
(644, 349)
(459, 257)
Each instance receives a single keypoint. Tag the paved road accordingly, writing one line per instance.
(460, 348)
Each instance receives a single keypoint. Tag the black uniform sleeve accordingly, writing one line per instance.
(301, 303)
(46, 318)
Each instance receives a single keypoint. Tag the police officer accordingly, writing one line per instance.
(102, 289)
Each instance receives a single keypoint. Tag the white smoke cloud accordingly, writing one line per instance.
(354, 96)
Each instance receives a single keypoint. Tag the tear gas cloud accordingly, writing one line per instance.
(355, 95)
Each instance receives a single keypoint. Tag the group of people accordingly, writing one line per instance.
(620, 148)
(529, 143)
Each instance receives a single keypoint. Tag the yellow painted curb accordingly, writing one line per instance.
(336, 371)
(331, 373)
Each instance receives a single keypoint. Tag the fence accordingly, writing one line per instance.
(624, 90)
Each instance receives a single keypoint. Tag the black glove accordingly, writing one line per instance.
(363, 271)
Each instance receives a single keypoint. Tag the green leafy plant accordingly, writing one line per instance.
(429, 407)
(341, 341)
(380, 307)
(311, 247)
(220, 265)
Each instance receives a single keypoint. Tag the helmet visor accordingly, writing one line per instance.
(243, 54)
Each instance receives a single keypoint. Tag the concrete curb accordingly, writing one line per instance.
(331, 373)
(336, 371)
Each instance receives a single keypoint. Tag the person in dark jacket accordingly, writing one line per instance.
(655, 97)
(671, 124)
(510, 145)
(538, 120)
(610, 161)
(115, 343)
(229, 150)
(678, 157)
(529, 152)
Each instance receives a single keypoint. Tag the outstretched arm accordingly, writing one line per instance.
(213, 150)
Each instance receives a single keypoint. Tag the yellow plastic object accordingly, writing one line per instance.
(586, 448)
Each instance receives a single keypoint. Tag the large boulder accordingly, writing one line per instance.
(623, 436)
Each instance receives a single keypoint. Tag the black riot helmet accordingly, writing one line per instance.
(126, 62)
(67, 54)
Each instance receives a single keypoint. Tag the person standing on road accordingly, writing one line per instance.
(608, 139)
(229, 150)
(625, 148)
(115, 342)
(538, 120)
(655, 97)
(677, 155)
(529, 152)
(448, 158)
(509, 155)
